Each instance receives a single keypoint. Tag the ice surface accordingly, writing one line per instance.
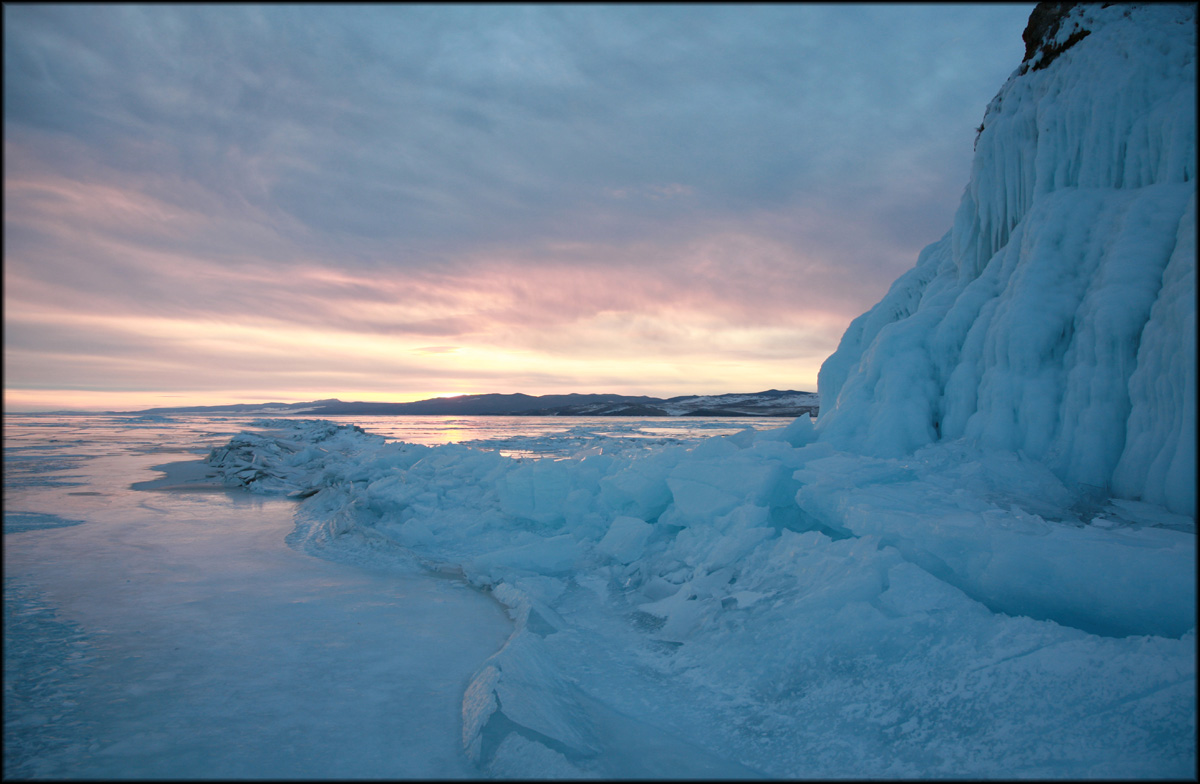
(168, 635)
(16, 522)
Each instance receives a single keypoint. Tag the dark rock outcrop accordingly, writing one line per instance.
(1043, 25)
(1041, 46)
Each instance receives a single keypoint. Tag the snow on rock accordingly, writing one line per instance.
(1057, 317)
(980, 562)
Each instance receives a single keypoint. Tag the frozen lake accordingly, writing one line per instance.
(577, 598)
(165, 633)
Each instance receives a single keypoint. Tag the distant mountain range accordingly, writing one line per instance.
(772, 403)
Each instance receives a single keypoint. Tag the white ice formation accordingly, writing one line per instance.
(1057, 318)
(981, 561)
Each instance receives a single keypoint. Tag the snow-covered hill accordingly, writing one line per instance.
(1057, 318)
(772, 403)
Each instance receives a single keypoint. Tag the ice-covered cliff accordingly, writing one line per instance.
(1057, 318)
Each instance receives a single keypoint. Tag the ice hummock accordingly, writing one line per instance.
(764, 604)
(980, 562)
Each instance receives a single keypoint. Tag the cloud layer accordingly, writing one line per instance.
(393, 201)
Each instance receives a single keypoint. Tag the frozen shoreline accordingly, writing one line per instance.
(734, 594)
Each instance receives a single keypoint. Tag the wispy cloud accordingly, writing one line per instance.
(569, 195)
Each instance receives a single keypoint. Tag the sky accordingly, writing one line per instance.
(237, 203)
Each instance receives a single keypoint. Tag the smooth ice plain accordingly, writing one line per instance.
(174, 634)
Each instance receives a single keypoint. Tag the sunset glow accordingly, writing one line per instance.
(371, 235)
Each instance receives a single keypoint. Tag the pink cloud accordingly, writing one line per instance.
(113, 287)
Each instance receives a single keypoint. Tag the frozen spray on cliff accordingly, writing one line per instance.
(1057, 317)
